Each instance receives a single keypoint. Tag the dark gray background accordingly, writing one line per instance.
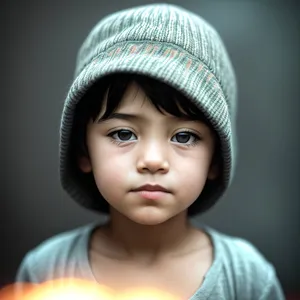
(39, 42)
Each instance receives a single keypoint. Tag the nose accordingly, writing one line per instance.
(153, 159)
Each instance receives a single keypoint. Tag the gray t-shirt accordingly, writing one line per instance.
(238, 271)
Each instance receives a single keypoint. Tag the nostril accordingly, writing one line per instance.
(153, 166)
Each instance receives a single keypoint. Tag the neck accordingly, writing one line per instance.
(148, 241)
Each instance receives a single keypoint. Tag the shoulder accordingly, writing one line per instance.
(239, 253)
(248, 271)
(54, 257)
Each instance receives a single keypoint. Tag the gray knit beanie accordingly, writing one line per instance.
(169, 44)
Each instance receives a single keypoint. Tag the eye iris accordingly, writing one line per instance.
(182, 137)
(124, 135)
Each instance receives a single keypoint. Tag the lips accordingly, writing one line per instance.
(152, 192)
(151, 188)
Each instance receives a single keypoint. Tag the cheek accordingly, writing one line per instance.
(192, 176)
(109, 168)
(192, 173)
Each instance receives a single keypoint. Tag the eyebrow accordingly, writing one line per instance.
(121, 116)
(133, 117)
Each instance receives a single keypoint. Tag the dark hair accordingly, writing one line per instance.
(165, 99)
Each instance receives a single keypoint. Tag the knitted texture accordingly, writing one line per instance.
(172, 45)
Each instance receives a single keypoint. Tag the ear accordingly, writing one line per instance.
(213, 171)
(84, 164)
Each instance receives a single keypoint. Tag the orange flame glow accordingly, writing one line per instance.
(77, 289)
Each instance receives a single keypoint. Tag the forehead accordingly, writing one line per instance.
(135, 101)
(142, 95)
(134, 98)
(136, 107)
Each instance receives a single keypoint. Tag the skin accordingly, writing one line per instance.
(147, 232)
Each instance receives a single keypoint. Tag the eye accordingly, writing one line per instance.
(185, 137)
(122, 135)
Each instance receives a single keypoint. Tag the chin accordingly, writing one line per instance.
(148, 222)
(149, 217)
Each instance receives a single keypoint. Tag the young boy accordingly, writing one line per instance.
(148, 138)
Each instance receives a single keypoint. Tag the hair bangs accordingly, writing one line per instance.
(165, 98)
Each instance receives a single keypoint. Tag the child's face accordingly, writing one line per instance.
(149, 148)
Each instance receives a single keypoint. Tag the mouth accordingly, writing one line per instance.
(151, 192)
(151, 188)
